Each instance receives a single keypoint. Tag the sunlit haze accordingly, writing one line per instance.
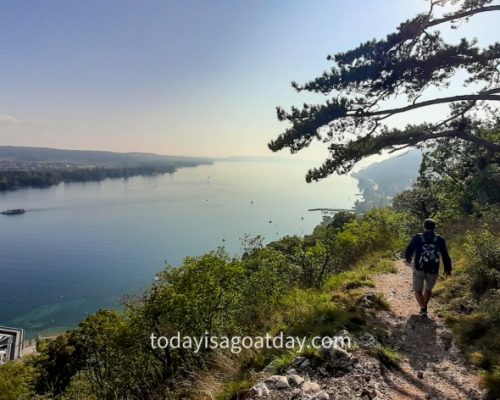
(183, 78)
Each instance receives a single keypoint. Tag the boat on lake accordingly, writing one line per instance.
(13, 212)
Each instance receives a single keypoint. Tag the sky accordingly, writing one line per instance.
(186, 77)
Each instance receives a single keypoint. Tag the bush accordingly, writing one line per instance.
(491, 381)
(16, 381)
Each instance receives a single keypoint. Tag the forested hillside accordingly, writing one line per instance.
(42, 167)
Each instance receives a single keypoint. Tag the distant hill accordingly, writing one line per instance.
(43, 155)
(381, 181)
(43, 167)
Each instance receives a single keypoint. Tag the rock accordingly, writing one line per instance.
(344, 333)
(370, 392)
(297, 361)
(323, 371)
(301, 396)
(339, 354)
(339, 357)
(295, 380)
(277, 382)
(420, 374)
(367, 300)
(260, 390)
(367, 340)
(310, 387)
(304, 364)
(321, 395)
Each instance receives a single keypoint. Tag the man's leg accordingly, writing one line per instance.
(426, 297)
(418, 287)
(420, 299)
(429, 282)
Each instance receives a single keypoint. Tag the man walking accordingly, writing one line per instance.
(427, 248)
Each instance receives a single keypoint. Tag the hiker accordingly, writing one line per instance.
(427, 247)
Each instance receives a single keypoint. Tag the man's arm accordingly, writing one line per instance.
(410, 250)
(446, 257)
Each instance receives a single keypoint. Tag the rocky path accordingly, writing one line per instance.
(432, 366)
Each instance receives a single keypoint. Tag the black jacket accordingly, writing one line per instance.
(415, 247)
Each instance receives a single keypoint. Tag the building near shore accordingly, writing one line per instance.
(11, 344)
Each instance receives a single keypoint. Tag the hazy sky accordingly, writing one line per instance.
(174, 77)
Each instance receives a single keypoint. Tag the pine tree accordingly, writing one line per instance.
(415, 58)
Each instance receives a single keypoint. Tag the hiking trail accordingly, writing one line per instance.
(433, 367)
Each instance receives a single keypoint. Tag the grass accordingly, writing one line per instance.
(305, 313)
(361, 275)
(388, 357)
(491, 382)
(470, 303)
(231, 390)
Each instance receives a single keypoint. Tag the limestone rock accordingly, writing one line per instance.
(367, 340)
(295, 380)
(277, 382)
(321, 395)
(310, 387)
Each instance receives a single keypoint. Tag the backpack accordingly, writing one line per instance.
(429, 258)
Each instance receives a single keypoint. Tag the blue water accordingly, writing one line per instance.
(83, 246)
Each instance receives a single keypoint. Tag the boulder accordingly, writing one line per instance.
(260, 390)
(277, 382)
(310, 387)
(321, 395)
(295, 380)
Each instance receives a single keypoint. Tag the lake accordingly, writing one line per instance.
(83, 246)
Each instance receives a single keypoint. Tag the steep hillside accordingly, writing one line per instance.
(383, 180)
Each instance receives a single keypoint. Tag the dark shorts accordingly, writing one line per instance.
(423, 280)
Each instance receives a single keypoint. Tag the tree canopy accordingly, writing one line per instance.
(353, 120)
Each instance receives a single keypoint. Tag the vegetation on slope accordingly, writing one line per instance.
(296, 285)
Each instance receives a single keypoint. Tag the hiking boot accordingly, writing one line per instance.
(423, 312)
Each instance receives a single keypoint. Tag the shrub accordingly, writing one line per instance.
(16, 381)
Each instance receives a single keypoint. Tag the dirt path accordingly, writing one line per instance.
(433, 367)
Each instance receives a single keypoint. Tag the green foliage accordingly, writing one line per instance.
(311, 255)
(408, 62)
(378, 230)
(491, 381)
(232, 389)
(349, 280)
(483, 248)
(45, 177)
(16, 381)
(79, 388)
(58, 360)
(456, 179)
(273, 288)
(388, 357)
(471, 300)
(102, 357)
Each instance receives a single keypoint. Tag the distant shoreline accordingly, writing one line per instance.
(38, 167)
(42, 178)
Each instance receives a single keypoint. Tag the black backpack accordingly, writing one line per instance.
(429, 258)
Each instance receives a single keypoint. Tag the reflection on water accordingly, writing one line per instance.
(82, 246)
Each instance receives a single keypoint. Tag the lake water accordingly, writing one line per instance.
(82, 246)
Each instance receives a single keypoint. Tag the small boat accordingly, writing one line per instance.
(13, 212)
